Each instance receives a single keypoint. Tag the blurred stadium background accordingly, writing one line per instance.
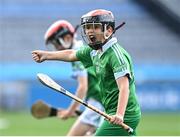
(151, 35)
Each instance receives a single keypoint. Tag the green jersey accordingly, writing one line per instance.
(79, 70)
(93, 86)
(112, 63)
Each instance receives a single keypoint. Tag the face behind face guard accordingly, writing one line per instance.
(58, 44)
(57, 40)
(93, 34)
(54, 45)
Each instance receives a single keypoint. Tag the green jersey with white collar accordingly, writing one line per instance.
(111, 63)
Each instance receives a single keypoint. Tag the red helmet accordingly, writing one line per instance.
(101, 18)
(58, 29)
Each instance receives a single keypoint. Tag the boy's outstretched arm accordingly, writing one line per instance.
(65, 55)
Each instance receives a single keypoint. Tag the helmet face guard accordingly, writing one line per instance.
(93, 38)
(66, 45)
(99, 21)
(57, 39)
(54, 45)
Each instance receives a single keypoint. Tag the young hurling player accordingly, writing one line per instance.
(113, 66)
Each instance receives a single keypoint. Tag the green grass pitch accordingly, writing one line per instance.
(24, 124)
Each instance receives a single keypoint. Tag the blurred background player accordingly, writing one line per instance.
(61, 35)
(113, 67)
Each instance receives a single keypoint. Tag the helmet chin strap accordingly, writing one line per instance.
(96, 46)
(107, 38)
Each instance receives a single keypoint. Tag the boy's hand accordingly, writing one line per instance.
(116, 119)
(39, 55)
(65, 114)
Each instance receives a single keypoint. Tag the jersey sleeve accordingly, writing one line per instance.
(83, 54)
(119, 64)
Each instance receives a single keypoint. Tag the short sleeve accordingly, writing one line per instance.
(83, 54)
(119, 63)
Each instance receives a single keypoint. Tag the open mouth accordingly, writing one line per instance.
(92, 38)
